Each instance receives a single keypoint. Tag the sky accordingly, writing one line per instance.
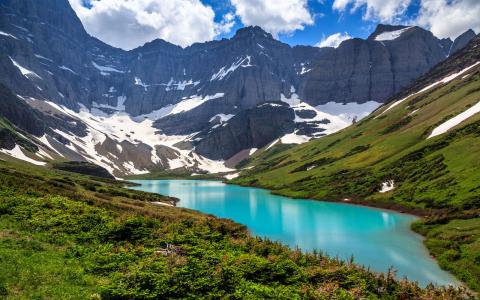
(129, 24)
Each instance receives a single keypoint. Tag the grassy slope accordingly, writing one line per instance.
(69, 236)
(439, 177)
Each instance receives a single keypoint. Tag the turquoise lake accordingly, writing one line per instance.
(376, 238)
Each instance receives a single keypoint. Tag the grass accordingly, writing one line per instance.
(70, 236)
(456, 245)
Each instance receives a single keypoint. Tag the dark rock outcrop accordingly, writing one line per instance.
(251, 128)
(85, 168)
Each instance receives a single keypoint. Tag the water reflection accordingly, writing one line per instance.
(375, 238)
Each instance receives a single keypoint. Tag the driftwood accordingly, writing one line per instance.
(170, 249)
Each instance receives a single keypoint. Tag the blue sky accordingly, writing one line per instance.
(129, 24)
(327, 22)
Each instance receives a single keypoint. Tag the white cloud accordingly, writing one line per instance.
(334, 40)
(445, 18)
(130, 23)
(275, 16)
(377, 10)
(449, 18)
(226, 24)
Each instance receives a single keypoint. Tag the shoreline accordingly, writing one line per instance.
(396, 209)
(399, 208)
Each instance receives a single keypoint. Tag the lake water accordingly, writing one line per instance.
(376, 238)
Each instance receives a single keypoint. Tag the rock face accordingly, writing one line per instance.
(162, 104)
(373, 69)
(251, 128)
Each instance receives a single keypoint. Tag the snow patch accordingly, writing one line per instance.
(223, 72)
(8, 35)
(190, 159)
(43, 154)
(272, 144)
(232, 176)
(391, 35)
(130, 167)
(441, 81)
(68, 69)
(270, 104)
(162, 203)
(191, 103)
(223, 117)
(45, 141)
(180, 107)
(349, 111)
(444, 127)
(43, 57)
(179, 85)
(304, 69)
(387, 186)
(18, 154)
(120, 127)
(413, 112)
(106, 70)
(139, 82)
(335, 123)
(25, 72)
(294, 138)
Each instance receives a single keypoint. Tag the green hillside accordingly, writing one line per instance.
(71, 236)
(438, 177)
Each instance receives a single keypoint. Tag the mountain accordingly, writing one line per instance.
(161, 106)
(417, 153)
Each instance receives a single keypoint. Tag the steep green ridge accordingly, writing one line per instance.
(438, 176)
(81, 167)
(71, 236)
(9, 137)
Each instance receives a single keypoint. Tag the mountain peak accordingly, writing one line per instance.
(468, 34)
(462, 40)
(252, 31)
(56, 13)
(158, 44)
(382, 28)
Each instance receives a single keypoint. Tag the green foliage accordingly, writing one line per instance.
(398, 125)
(456, 244)
(90, 245)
